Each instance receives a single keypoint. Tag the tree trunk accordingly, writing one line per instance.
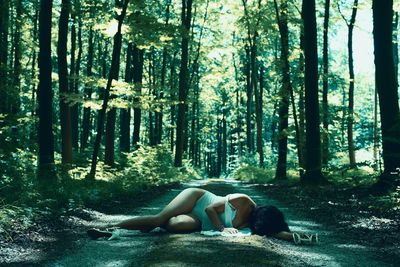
(34, 59)
(173, 106)
(152, 93)
(258, 101)
(113, 73)
(284, 92)
(350, 115)
(237, 106)
(219, 147)
(65, 112)
(325, 107)
(109, 152)
(75, 82)
(249, 103)
(313, 172)
(15, 99)
(125, 115)
(4, 21)
(183, 82)
(45, 92)
(387, 88)
(396, 46)
(224, 142)
(302, 131)
(88, 93)
(137, 60)
(163, 77)
(376, 138)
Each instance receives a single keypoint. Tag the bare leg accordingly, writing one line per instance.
(185, 223)
(183, 203)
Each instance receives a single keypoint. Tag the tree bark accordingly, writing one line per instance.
(4, 22)
(325, 106)
(113, 73)
(301, 103)
(249, 102)
(350, 109)
(15, 103)
(313, 172)
(45, 92)
(387, 88)
(65, 112)
(284, 91)
(138, 60)
(125, 114)
(183, 82)
(88, 93)
(396, 46)
(173, 106)
(34, 60)
(75, 108)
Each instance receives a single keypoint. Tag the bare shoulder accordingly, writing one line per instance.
(241, 201)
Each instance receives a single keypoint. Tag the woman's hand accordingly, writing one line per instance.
(230, 230)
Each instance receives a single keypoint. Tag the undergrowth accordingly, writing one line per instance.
(22, 201)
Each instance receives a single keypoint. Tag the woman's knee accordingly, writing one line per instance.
(171, 224)
(176, 225)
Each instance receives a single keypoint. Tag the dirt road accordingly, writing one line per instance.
(162, 249)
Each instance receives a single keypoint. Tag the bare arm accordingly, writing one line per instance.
(212, 212)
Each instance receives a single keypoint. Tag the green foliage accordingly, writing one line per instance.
(150, 166)
(253, 174)
(10, 216)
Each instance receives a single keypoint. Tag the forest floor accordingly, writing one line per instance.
(352, 230)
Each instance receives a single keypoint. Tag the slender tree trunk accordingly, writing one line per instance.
(34, 60)
(163, 78)
(4, 21)
(15, 103)
(125, 115)
(138, 60)
(88, 94)
(75, 82)
(153, 117)
(72, 68)
(376, 138)
(183, 82)
(350, 114)
(219, 147)
(325, 107)
(249, 103)
(284, 92)
(302, 133)
(193, 132)
(313, 138)
(45, 92)
(113, 73)
(173, 106)
(396, 46)
(258, 101)
(65, 112)
(237, 107)
(387, 89)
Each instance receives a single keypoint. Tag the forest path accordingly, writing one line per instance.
(162, 249)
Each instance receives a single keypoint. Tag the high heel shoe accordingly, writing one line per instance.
(310, 239)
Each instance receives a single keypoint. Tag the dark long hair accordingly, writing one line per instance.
(267, 220)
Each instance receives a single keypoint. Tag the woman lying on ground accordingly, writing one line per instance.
(196, 209)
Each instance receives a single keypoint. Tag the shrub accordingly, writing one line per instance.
(253, 174)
